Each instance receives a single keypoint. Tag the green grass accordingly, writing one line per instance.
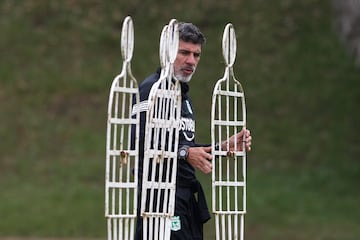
(58, 59)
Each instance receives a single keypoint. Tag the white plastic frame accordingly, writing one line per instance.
(161, 143)
(228, 117)
(121, 176)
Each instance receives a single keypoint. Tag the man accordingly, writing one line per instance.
(191, 213)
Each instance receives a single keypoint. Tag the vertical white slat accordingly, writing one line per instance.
(223, 226)
(217, 226)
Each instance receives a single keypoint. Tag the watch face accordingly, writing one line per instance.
(182, 153)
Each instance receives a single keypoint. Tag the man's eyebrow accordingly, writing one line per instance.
(188, 51)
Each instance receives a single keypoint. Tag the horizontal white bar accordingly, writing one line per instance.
(120, 215)
(228, 123)
(166, 93)
(155, 215)
(242, 212)
(164, 124)
(123, 121)
(225, 153)
(159, 185)
(119, 152)
(229, 93)
(121, 185)
(229, 184)
(166, 154)
(125, 90)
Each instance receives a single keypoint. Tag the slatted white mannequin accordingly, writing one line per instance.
(228, 117)
(161, 143)
(121, 177)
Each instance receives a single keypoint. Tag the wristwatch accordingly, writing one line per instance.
(183, 152)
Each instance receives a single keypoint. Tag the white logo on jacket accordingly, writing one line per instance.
(175, 223)
(187, 126)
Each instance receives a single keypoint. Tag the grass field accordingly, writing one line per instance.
(58, 59)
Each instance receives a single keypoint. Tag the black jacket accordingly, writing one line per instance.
(185, 177)
(185, 172)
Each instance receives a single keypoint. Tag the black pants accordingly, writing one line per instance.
(187, 211)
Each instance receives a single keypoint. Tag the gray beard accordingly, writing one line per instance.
(182, 78)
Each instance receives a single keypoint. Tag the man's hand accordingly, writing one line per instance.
(235, 142)
(200, 157)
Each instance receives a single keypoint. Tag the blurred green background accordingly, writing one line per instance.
(58, 59)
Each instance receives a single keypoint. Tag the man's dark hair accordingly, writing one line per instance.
(188, 32)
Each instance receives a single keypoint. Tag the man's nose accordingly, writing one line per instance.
(191, 59)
